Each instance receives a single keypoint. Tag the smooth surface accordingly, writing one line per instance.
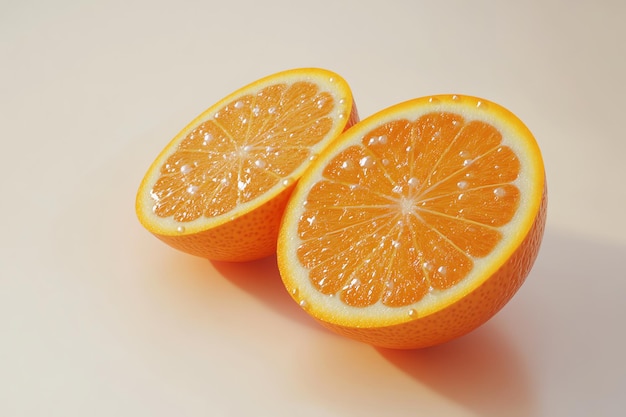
(99, 318)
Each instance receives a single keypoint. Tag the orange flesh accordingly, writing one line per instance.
(425, 196)
(243, 151)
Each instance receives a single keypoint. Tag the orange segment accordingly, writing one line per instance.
(417, 224)
(219, 188)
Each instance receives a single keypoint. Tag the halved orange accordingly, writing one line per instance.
(418, 224)
(219, 188)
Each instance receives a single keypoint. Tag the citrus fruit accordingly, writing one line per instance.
(418, 224)
(218, 189)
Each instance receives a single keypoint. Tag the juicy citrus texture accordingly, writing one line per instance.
(418, 224)
(218, 190)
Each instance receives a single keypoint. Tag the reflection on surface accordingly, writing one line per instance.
(480, 371)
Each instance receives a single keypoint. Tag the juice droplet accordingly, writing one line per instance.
(366, 162)
(499, 192)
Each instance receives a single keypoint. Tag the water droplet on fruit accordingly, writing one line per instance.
(238, 104)
(413, 313)
(192, 189)
(381, 140)
(413, 182)
(294, 291)
(499, 192)
(462, 184)
(366, 162)
(271, 110)
(442, 270)
(180, 229)
(185, 169)
(259, 163)
(303, 304)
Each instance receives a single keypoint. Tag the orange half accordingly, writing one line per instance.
(219, 188)
(418, 224)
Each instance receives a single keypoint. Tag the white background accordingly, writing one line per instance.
(99, 318)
